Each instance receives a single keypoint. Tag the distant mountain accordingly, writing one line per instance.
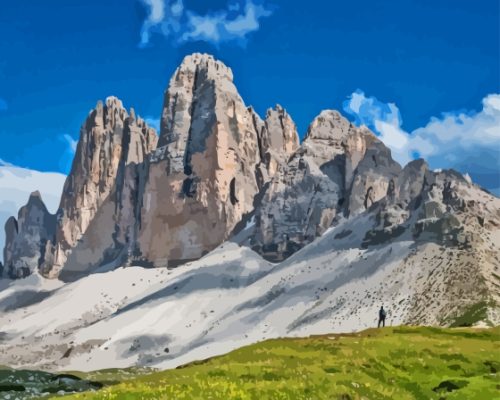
(16, 185)
(222, 194)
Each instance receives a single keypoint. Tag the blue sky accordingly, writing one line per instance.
(413, 71)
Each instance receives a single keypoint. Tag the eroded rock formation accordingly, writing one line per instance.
(339, 171)
(213, 156)
(134, 197)
(27, 237)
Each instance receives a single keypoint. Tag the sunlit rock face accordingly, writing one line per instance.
(213, 157)
(96, 220)
(133, 197)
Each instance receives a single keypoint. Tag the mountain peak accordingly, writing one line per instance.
(35, 200)
(202, 61)
(329, 124)
(35, 195)
(113, 101)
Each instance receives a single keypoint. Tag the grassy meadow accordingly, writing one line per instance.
(391, 363)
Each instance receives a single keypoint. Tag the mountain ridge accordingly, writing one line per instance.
(133, 197)
(269, 237)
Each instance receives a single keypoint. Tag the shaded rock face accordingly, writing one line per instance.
(132, 197)
(298, 205)
(440, 207)
(339, 170)
(27, 237)
(214, 155)
(277, 139)
(96, 220)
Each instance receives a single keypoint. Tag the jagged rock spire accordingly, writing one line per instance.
(213, 157)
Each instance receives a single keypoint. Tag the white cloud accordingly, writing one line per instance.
(171, 19)
(156, 14)
(466, 141)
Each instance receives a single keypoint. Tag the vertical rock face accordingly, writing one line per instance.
(339, 170)
(97, 213)
(298, 205)
(213, 156)
(278, 139)
(372, 176)
(27, 237)
(134, 197)
(11, 232)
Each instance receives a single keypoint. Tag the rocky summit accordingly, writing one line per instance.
(278, 237)
(216, 168)
(132, 196)
(213, 157)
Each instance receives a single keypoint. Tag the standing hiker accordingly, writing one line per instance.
(381, 317)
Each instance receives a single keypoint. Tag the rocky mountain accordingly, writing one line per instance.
(133, 197)
(96, 216)
(16, 185)
(27, 237)
(221, 195)
(93, 224)
(214, 155)
(338, 172)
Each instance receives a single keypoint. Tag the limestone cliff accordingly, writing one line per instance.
(134, 198)
(213, 156)
(96, 220)
(339, 171)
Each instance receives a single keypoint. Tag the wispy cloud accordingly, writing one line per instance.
(466, 141)
(173, 20)
(155, 17)
(3, 105)
(72, 143)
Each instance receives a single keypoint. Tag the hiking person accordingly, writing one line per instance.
(381, 317)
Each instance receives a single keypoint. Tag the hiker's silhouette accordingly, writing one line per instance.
(381, 317)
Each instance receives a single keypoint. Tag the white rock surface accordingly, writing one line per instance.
(232, 297)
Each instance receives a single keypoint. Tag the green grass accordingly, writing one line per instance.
(472, 315)
(391, 363)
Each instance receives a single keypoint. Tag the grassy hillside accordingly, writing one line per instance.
(391, 363)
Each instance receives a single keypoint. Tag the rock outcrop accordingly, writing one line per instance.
(339, 171)
(134, 197)
(27, 238)
(214, 155)
(97, 214)
(95, 222)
